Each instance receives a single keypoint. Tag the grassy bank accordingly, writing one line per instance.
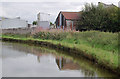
(101, 47)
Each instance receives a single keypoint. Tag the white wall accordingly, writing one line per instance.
(43, 17)
(44, 24)
(60, 20)
(13, 23)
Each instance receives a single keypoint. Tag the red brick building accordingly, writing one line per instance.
(67, 20)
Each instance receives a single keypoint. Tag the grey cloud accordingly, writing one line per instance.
(29, 10)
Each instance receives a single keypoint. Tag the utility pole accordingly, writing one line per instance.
(119, 4)
(72, 25)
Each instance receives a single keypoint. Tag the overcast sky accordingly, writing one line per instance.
(28, 9)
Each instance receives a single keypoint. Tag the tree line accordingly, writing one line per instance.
(99, 18)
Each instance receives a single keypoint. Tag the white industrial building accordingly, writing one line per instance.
(7, 23)
(43, 20)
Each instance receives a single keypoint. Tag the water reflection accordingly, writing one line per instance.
(38, 58)
(19, 60)
(67, 64)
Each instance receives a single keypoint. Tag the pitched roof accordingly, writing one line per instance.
(107, 5)
(71, 15)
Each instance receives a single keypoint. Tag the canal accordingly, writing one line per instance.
(21, 60)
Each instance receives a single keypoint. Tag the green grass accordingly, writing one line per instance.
(103, 46)
(104, 40)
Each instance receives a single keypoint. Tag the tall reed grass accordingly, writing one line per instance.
(104, 40)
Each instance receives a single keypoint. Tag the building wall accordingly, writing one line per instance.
(44, 24)
(70, 24)
(13, 23)
(66, 24)
(63, 23)
(43, 16)
(60, 21)
(18, 30)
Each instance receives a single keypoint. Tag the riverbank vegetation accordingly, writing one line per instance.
(102, 46)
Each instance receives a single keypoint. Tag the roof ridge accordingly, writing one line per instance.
(69, 12)
(70, 15)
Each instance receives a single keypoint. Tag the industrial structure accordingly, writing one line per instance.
(43, 20)
(7, 23)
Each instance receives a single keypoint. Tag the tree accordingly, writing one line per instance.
(99, 18)
(51, 23)
(34, 23)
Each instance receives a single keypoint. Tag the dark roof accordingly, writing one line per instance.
(107, 5)
(71, 15)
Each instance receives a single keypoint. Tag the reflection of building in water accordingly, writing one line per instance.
(67, 64)
(20, 48)
(7, 52)
(38, 58)
(64, 64)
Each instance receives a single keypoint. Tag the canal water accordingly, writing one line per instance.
(21, 60)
